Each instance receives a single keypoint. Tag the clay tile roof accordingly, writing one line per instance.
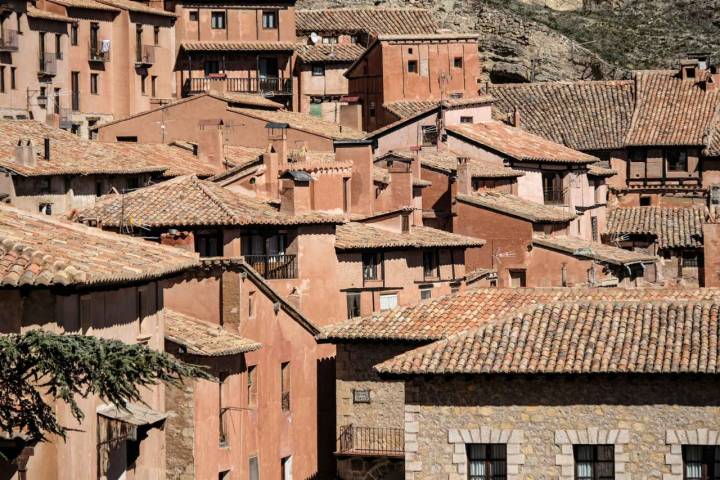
(135, 6)
(712, 138)
(446, 161)
(354, 235)
(87, 4)
(244, 46)
(596, 170)
(582, 115)
(305, 122)
(519, 207)
(188, 201)
(370, 20)
(35, 12)
(323, 53)
(70, 154)
(411, 108)
(412, 37)
(671, 111)
(41, 250)
(597, 251)
(517, 143)
(579, 338)
(204, 338)
(673, 227)
(444, 316)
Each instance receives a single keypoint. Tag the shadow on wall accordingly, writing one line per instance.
(326, 419)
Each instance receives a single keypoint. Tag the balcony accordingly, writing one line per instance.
(553, 197)
(371, 441)
(48, 64)
(274, 267)
(267, 86)
(145, 56)
(9, 41)
(96, 54)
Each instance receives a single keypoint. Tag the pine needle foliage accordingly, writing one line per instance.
(37, 368)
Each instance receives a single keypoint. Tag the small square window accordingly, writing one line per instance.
(269, 20)
(412, 66)
(425, 293)
(217, 20)
(45, 208)
(465, 119)
(458, 62)
(318, 70)
(193, 16)
(388, 301)
(410, 51)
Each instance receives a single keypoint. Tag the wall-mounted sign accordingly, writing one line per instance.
(361, 396)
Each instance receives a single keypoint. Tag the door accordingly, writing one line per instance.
(268, 74)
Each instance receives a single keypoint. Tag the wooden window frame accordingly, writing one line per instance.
(595, 462)
(488, 461)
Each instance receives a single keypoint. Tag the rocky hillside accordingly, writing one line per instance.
(523, 40)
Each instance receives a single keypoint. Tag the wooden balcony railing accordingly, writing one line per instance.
(274, 267)
(9, 41)
(371, 441)
(47, 64)
(268, 86)
(553, 197)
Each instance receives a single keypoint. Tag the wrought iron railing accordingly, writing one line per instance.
(9, 41)
(264, 85)
(380, 441)
(553, 197)
(48, 63)
(274, 267)
(96, 53)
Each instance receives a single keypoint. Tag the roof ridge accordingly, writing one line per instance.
(214, 198)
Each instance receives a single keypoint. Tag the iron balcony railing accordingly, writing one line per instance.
(375, 441)
(145, 55)
(96, 54)
(48, 64)
(9, 41)
(553, 197)
(268, 86)
(274, 267)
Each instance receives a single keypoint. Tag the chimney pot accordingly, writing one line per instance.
(516, 118)
(463, 176)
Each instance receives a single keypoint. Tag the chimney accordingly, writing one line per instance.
(463, 176)
(516, 118)
(46, 145)
(295, 197)
(712, 84)
(210, 145)
(362, 189)
(272, 167)
(25, 153)
(53, 120)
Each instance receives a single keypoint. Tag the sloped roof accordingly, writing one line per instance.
(446, 161)
(410, 108)
(370, 20)
(204, 338)
(69, 154)
(579, 338)
(671, 111)
(35, 12)
(240, 46)
(580, 247)
(323, 53)
(518, 144)
(519, 207)
(189, 201)
(305, 122)
(38, 250)
(673, 227)
(581, 115)
(712, 138)
(135, 6)
(596, 170)
(444, 316)
(87, 4)
(354, 235)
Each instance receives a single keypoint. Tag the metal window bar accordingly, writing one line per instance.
(274, 267)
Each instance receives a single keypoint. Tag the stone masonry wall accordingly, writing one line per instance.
(646, 418)
(180, 431)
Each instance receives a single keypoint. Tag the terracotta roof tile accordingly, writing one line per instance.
(518, 144)
(712, 137)
(451, 314)
(69, 154)
(354, 235)
(446, 161)
(671, 111)
(188, 201)
(582, 115)
(134, 6)
(35, 12)
(40, 250)
(323, 53)
(597, 251)
(204, 338)
(519, 207)
(246, 46)
(578, 338)
(370, 20)
(673, 227)
(305, 122)
(87, 4)
(410, 108)
(596, 170)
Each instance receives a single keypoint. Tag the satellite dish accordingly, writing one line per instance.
(314, 38)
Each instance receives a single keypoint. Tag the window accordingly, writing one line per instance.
(487, 461)
(286, 468)
(156, 35)
(353, 304)
(222, 432)
(354, 38)
(225, 475)
(645, 201)
(425, 293)
(466, 119)
(410, 51)
(331, 40)
(388, 301)
(251, 305)
(517, 278)
(594, 462)
(690, 259)
(45, 208)
(143, 81)
(18, 23)
(458, 62)
(252, 387)
(285, 386)
(2, 79)
(676, 160)
(58, 46)
(211, 66)
(128, 139)
(254, 470)
(405, 227)
(412, 66)
(74, 34)
(269, 20)
(13, 85)
(94, 83)
(456, 95)
(371, 261)
(94, 43)
(193, 16)
(217, 20)
(553, 193)
(431, 264)
(429, 135)
(594, 229)
(207, 244)
(153, 86)
(318, 70)
(701, 462)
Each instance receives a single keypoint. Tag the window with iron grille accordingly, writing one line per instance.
(594, 462)
(487, 461)
(701, 462)
(371, 262)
